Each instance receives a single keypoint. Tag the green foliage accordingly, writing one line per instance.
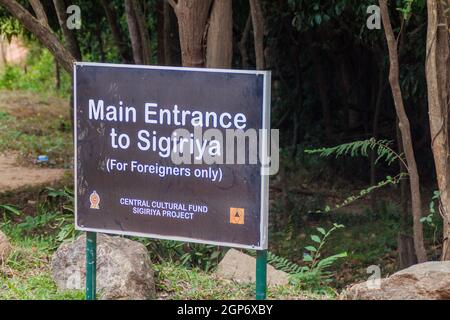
(283, 264)
(406, 8)
(192, 255)
(382, 150)
(10, 27)
(9, 210)
(364, 192)
(54, 218)
(179, 282)
(39, 75)
(361, 148)
(429, 219)
(313, 275)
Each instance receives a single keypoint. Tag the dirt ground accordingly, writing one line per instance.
(13, 176)
(33, 124)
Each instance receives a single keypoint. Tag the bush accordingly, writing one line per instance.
(38, 76)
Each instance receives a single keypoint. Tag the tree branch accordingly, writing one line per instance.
(42, 32)
(39, 11)
(173, 4)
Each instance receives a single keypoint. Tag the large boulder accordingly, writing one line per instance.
(241, 267)
(124, 268)
(425, 281)
(5, 248)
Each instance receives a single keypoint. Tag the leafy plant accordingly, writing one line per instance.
(361, 148)
(9, 209)
(192, 255)
(313, 275)
(429, 219)
(201, 256)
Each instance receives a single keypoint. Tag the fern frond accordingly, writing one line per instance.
(361, 148)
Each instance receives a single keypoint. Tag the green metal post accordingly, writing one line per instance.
(261, 274)
(91, 265)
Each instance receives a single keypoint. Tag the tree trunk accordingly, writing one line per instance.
(99, 37)
(243, 42)
(143, 32)
(219, 49)
(438, 83)
(133, 28)
(42, 33)
(258, 32)
(192, 17)
(69, 36)
(57, 76)
(172, 52)
(160, 23)
(405, 129)
(117, 35)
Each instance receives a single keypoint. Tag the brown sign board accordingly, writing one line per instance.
(126, 179)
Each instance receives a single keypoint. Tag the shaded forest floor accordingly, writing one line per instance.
(35, 124)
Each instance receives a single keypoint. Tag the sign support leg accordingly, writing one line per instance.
(261, 274)
(91, 265)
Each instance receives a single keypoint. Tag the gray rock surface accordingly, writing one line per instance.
(241, 267)
(124, 268)
(5, 247)
(425, 281)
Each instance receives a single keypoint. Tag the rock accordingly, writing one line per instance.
(425, 281)
(5, 248)
(124, 268)
(241, 267)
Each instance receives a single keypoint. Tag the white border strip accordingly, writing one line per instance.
(150, 67)
(264, 209)
(264, 215)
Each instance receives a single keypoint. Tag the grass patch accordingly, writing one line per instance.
(178, 282)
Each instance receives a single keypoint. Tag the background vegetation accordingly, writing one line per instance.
(334, 211)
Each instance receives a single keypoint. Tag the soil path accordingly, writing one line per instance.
(13, 176)
(34, 111)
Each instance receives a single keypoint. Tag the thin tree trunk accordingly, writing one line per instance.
(133, 28)
(57, 76)
(160, 37)
(438, 83)
(219, 49)
(100, 41)
(118, 37)
(243, 42)
(69, 36)
(405, 129)
(143, 32)
(258, 32)
(192, 17)
(42, 33)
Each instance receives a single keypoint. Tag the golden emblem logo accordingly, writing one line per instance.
(94, 198)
